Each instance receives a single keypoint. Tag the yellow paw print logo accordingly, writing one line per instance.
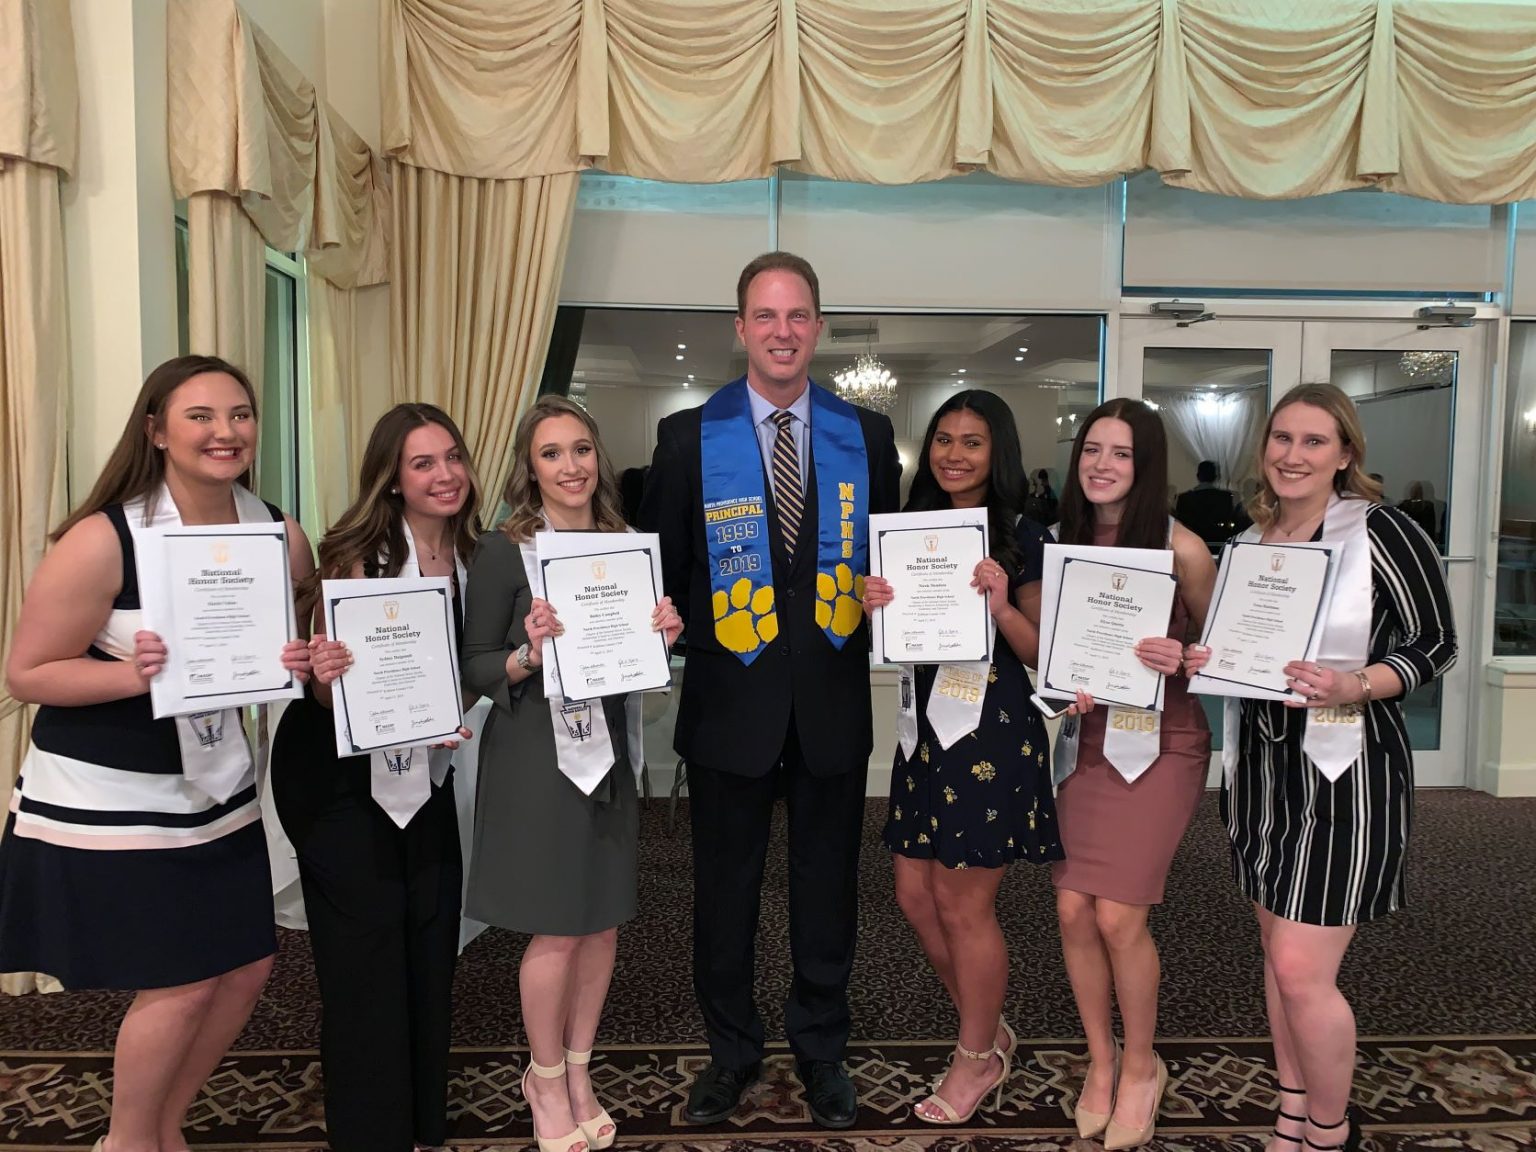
(745, 618)
(839, 600)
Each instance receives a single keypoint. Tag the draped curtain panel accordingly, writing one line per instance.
(38, 135)
(476, 277)
(263, 161)
(1246, 98)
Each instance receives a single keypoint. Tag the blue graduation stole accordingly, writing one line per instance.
(736, 520)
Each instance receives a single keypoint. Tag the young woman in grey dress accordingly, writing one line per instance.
(1319, 855)
(549, 859)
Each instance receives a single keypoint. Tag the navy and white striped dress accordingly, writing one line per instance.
(1333, 854)
(115, 871)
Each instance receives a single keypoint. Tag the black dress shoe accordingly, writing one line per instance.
(829, 1091)
(717, 1091)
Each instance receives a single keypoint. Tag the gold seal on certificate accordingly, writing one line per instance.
(219, 596)
(604, 588)
(1096, 603)
(402, 689)
(935, 616)
(1267, 610)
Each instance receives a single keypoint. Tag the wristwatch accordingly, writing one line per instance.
(524, 657)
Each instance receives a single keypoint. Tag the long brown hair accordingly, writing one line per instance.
(136, 468)
(526, 507)
(1264, 505)
(1144, 522)
(373, 524)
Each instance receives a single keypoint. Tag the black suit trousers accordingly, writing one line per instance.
(731, 817)
(383, 908)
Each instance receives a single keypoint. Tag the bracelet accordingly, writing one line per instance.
(1365, 685)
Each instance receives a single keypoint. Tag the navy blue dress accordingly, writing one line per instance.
(986, 800)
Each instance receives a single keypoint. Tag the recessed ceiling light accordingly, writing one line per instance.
(679, 357)
(681, 347)
(685, 383)
(962, 371)
(1016, 359)
(1023, 349)
(690, 375)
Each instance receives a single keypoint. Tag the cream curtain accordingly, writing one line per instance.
(1432, 98)
(262, 161)
(38, 123)
(226, 282)
(476, 276)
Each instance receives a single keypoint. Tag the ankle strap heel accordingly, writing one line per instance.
(1351, 1140)
(1282, 1114)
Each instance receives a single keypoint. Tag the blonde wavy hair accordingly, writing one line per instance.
(525, 514)
(1264, 505)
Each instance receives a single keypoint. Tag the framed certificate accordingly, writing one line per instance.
(935, 617)
(402, 689)
(220, 597)
(604, 586)
(1267, 610)
(1096, 603)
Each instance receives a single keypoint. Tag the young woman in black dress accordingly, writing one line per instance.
(960, 815)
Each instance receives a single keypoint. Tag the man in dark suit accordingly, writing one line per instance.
(775, 696)
(1209, 511)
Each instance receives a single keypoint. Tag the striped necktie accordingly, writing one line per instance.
(787, 495)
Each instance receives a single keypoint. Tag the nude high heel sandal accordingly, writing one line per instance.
(593, 1129)
(994, 1089)
(572, 1141)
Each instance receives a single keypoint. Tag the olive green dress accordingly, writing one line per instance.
(546, 859)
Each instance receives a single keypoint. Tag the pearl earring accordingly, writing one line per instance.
(394, 491)
(161, 447)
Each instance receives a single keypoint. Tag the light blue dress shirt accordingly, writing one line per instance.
(768, 431)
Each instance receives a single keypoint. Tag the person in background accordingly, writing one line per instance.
(557, 820)
(971, 789)
(1132, 779)
(1318, 790)
(1207, 509)
(133, 856)
(378, 850)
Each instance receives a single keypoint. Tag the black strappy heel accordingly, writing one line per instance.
(1351, 1139)
(1282, 1114)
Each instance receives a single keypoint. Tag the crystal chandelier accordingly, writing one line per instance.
(869, 384)
(1427, 365)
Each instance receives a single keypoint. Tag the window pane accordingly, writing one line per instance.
(183, 341)
(1514, 609)
(277, 475)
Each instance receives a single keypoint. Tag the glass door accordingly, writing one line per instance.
(1420, 393)
(1212, 382)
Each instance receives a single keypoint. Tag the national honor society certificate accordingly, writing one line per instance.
(219, 596)
(1267, 610)
(1096, 603)
(402, 689)
(604, 586)
(935, 616)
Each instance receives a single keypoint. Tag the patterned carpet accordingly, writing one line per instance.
(1443, 991)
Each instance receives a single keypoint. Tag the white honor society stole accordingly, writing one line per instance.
(1335, 737)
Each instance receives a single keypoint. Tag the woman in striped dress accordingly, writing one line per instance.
(1319, 791)
(133, 855)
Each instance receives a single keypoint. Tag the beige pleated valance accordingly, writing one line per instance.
(245, 122)
(1249, 98)
(39, 103)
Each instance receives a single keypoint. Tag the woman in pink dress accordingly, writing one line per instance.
(1121, 822)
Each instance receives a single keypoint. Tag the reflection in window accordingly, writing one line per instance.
(631, 367)
(1514, 609)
